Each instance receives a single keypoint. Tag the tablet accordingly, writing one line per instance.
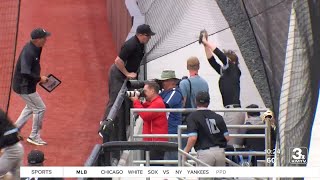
(52, 83)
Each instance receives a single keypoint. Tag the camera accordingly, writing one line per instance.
(138, 84)
(135, 84)
(135, 88)
(136, 92)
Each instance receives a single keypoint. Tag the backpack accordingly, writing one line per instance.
(186, 114)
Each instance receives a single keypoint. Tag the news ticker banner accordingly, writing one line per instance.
(167, 172)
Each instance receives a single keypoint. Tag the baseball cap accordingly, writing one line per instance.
(145, 29)
(35, 157)
(39, 33)
(203, 97)
(253, 113)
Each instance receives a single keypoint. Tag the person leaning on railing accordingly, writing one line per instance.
(153, 122)
(126, 66)
(207, 132)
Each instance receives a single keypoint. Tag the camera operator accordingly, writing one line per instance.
(153, 122)
(11, 159)
(172, 97)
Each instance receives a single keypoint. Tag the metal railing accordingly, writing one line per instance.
(267, 135)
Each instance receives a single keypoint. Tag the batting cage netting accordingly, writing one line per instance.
(9, 20)
(299, 93)
(278, 39)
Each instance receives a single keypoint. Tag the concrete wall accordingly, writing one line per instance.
(119, 20)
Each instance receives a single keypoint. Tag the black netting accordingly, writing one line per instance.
(9, 18)
(299, 98)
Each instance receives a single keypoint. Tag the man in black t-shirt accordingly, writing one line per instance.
(25, 80)
(125, 66)
(207, 132)
(229, 84)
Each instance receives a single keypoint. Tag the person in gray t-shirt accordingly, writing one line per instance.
(190, 88)
(192, 85)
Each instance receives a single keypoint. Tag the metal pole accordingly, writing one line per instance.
(193, 109)
(179, 146)
(131, 136)
(118, 102)
(193, 158)
(131, 125)
(269, 151)
(147, 161)
(106, 125)
(184, 135)
(147, 158)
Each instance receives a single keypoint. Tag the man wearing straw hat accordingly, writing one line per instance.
(172, 98)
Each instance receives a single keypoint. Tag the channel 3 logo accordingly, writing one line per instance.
(298, 155)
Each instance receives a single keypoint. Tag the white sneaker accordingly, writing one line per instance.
(37, 141)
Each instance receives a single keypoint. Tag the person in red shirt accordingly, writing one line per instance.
(153, 122)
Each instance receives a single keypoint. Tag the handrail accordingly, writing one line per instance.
(267, 144)
(135, 110)
(107, 122)
(267, 128)
(184, 135)
(93, 155)
(194, 109)
(139, 145)
(191, 157)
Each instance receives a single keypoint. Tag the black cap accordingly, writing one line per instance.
(253, 113)
(39, 33)
(145, 29)
(203, 97)
(35, 157)
(252, 106)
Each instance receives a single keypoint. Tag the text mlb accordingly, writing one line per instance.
(152, 171)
